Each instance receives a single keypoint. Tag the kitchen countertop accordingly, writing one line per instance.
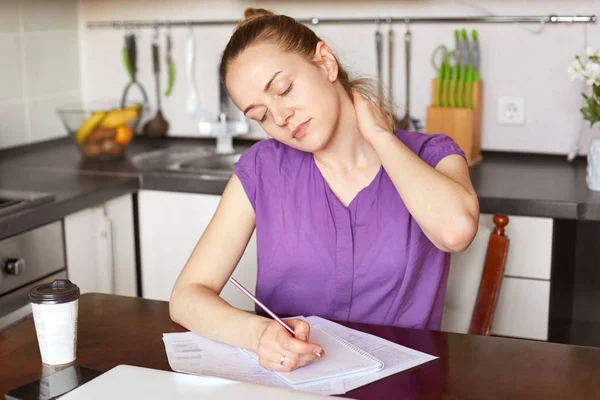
(73, 192)
(509, 183)
(62, 155)
(535, 185)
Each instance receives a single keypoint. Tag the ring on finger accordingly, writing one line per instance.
(282, 359)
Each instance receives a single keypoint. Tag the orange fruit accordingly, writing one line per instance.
(124, 134)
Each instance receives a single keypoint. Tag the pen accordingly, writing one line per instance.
(271, 313)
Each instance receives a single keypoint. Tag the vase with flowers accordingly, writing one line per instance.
(588, 69)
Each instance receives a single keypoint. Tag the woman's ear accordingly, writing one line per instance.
(327, 61)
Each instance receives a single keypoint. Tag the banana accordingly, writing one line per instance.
(88, 126)
(118, 117)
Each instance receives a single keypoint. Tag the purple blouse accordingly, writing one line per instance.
(369, 262)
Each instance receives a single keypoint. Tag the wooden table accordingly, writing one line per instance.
(117, 330)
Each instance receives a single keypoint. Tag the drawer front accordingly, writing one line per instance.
(42, 249)
(522, 309)
(530, 248)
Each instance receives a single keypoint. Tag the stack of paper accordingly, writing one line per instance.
(338, 372)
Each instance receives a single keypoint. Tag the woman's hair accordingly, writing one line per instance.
(262, 26)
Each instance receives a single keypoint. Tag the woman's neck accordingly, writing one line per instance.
(347, 149)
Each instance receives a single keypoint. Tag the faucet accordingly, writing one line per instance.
(225, 128)
(224, 138)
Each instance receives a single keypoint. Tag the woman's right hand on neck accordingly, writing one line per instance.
(276, 344)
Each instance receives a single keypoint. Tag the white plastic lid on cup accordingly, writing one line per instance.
(55, 306)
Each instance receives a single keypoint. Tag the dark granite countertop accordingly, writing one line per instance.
(510, 183)
(535, 185)
(73, 192)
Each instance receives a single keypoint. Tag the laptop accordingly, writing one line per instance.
(127, 382)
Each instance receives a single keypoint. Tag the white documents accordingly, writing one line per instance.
(352, 359)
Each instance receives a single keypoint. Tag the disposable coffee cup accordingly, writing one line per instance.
(55, 306)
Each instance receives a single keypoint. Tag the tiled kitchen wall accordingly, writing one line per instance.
(47, 62)
(39, 68)
(515, 61)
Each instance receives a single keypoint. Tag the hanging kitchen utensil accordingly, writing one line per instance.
(130, 62)
(405, 123)
(157, 126)
(390, 97)
(194, 108)
(415, 123)
(379, 57)
(170, 64)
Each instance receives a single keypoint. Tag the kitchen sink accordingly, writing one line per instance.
(201, 161)
(214, 162)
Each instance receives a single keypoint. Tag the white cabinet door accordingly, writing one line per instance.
(119, 213)
(530, 248)
(463, 283)
(100, 248)
(171, 224)
(522, 308)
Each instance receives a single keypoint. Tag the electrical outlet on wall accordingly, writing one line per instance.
(511, 110)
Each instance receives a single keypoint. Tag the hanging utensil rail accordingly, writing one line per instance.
(488, 19)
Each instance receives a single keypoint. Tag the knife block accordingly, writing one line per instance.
(463, 125)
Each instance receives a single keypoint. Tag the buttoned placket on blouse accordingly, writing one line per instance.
(344, 220)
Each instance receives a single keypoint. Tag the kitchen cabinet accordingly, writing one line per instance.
(170, 225)
(100, 248)
(530, 251)
(522, 309)
(523, 305)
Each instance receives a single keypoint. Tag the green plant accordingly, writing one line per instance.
(588, 70)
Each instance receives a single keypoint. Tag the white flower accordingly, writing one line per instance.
(592, 73)
(576, 70)
(592, 52)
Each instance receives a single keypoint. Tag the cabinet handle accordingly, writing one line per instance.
(14, 266)
(110, 256)
(104, 251)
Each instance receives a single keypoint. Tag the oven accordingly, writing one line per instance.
(26, 260)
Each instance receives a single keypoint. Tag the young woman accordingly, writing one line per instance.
(354, 221)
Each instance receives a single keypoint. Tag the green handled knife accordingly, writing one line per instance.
(446, 80)
(455, 70)
(462, 49)
(469, 78)
(441, 74)
(476, 73)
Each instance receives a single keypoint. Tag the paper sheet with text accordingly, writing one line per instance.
(190, 353)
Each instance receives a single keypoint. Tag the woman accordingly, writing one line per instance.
(354, 222)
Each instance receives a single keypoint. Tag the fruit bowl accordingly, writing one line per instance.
(100, 131)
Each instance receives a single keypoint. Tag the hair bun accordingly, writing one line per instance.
(252, 13)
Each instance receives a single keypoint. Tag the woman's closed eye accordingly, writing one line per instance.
(287, 90)
(283, 94)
